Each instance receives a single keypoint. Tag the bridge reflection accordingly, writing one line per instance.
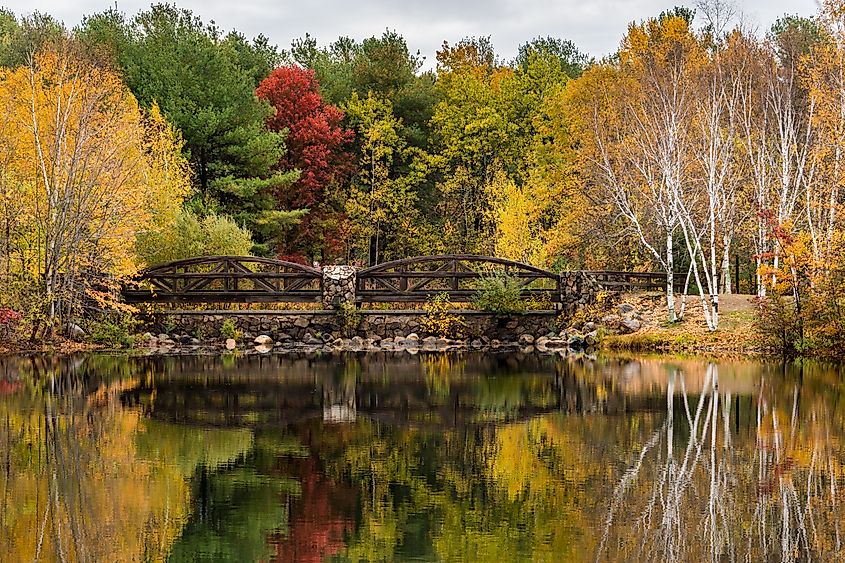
(440, 390)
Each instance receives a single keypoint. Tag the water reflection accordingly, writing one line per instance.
(460, 458)
(708, 485)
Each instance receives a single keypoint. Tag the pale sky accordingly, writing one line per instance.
(596, 26)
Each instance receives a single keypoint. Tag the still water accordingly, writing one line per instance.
(463, 457)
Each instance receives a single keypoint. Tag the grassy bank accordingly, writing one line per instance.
(737, 332)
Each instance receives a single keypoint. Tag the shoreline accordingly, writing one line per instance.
(649, 343)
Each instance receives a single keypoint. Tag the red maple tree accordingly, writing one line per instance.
(317, 143)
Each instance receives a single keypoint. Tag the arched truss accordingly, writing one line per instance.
(418, 278)
(227, 279)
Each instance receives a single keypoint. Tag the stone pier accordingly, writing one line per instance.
(338, 286)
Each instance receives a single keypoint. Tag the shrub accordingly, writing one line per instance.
(824, 318)
(815, 329)
(350, 319)
(22, 294)
(230, 330)
(778, 325)
(115, 331)
(499, 293)
(9, 320)
(188, 235)
(440, 321)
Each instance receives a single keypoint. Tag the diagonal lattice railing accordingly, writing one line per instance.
(227, 279)
(416, 279)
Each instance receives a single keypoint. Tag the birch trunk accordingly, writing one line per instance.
(670, 279)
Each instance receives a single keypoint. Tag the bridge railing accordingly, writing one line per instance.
(227, 279)
(246, 279)
(636, 281)
(417, 279)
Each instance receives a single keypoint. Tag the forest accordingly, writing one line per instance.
(699, 147)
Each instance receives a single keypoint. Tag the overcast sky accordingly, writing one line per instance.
(596, 26)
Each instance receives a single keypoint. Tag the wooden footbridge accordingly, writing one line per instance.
(247, 279)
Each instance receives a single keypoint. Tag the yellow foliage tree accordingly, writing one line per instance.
(514, 214)
(83, 172)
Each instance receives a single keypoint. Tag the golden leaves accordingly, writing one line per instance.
(83, 171)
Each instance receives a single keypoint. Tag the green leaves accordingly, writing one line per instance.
(189, 235)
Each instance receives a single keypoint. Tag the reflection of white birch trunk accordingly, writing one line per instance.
(688, 500)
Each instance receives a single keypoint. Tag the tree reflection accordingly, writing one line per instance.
(72, 487)
(442, 457)
(708, 495)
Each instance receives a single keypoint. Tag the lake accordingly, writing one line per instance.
(431, 457)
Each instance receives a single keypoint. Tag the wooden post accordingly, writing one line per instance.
(403, 280)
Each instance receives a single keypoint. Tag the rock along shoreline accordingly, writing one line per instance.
(552, 343)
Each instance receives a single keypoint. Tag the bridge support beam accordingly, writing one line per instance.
(338, 286)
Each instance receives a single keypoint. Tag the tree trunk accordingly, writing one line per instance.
(726, 267)
(670, 278)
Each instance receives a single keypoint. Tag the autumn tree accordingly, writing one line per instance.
(777, 128)
(382, 203)
(632, 120)
(473, 133)
(823, 67)
(204, 81)
(317, 146)
(84, 172)
(517, 235)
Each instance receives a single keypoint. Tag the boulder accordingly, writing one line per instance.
(611, 321)
(263, 348)
(413, 336)
(231, 344)
(526, 339)
(625, 308)
(263, 340)
(311, 340)
(630, 325)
